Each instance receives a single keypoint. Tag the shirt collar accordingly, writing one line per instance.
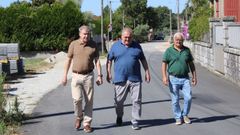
(81, 43)
(124, 44)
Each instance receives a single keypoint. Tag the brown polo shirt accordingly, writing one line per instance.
(83, 56)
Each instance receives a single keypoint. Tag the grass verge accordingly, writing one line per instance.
(11, 119)
(36, 65)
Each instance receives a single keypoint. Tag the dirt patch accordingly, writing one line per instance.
(41, 68)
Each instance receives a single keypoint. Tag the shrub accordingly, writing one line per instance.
(141, 32)
(14, 116)
(2, 127)
(42, 28)
(199, 24)
(2, 105)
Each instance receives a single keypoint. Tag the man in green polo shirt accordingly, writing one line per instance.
(177, 60)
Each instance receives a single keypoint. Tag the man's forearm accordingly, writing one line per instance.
(67, 66)
(98, 66)
(164, 70)
(108, 66)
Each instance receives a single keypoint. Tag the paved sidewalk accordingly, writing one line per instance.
(30, 90)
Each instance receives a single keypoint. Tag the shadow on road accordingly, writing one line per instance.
(14, 78)
(213, 118)
(143, 123)
(38, 115)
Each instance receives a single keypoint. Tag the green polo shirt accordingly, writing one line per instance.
(178, 60)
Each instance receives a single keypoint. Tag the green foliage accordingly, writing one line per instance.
(3, 127)
(14, 116)
(199, 24)
(152, 18)
(118, 22)
(2, 105)
(141, 32)
(41, 2)
(97, 26)
(135, 9)
(93, 23)
(164, 18)
(2, 99)
(43, 27)
(131, 14)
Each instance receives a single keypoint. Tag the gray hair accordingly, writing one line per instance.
(127, 29)
(177, 35)
(84, 27)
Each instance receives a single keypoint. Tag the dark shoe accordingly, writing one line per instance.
(135, 126)
(78, 123)
(87, 129)
(119, 121)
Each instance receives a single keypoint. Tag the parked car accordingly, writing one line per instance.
(159, 37)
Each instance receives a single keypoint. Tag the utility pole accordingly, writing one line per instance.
(123, 19)
(170, 14)
(178, 19)
(111, 26)
(102, 40)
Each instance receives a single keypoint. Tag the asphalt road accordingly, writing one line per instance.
(215, 108)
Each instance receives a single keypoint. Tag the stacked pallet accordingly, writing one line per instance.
(10, 58)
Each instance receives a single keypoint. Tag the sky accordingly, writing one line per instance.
(94, 6)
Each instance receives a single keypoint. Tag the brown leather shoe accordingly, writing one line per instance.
(87, 129)
(78, 123)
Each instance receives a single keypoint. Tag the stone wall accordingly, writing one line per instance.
(203, 53)
(232, 64)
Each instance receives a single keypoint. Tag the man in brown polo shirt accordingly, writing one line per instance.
(84, 54)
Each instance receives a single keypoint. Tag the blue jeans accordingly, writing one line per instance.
(183, 85)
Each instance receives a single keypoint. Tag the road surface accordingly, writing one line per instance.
(215, 108)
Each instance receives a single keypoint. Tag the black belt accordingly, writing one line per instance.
(82, 73)
(180, 76)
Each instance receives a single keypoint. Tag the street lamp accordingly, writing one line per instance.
(178, 19)
(170, 28)
(102, 40)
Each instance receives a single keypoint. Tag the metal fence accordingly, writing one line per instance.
(218, 33)
(233, 35)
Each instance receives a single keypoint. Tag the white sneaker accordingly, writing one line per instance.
(178, 122)
(186, 120)
(135, 126)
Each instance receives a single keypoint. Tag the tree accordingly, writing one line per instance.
(199, 24)
(118, 22)
(136, 10)
(41, 2)
(40, 28)
(141, 32)
(152, 18)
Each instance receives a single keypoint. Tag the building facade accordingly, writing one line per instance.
(224, 8)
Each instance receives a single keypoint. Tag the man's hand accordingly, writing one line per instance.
(165, 81)
(109, 78)
(147, 77)
(64, 81)
(99, 80)
(194, 81)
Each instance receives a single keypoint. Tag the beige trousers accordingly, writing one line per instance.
(83, 88)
